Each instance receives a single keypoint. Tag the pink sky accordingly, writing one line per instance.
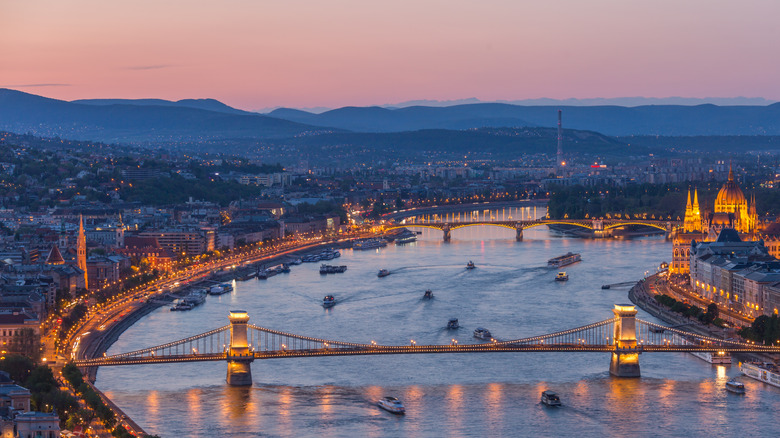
(303, 53)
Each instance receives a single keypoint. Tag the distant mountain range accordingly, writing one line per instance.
(210, 123)
(144, 121)
(670, 120)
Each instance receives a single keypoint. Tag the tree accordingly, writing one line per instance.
(26, 343)
(18, 367)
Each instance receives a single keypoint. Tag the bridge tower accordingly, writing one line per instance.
(447, 232)
(519, 229)
(625, 358)
(239, 357)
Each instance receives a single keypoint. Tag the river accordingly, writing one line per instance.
(511, 292)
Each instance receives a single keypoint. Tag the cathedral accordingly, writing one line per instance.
(731, 210)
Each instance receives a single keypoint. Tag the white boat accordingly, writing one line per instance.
(392, 404)
(217, 290)
(764, 372)
(719, 358)
(735, 386)
(550, 398)
(562, 276)
(564, 260)
(482, 333)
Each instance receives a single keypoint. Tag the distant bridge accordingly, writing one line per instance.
(241, 343)
(600, 227)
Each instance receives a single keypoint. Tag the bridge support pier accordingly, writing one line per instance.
(239, 357)
(447, 233)
(625, 358)
(519, 236)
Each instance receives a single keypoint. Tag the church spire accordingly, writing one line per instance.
(81, 251)
(731, 172)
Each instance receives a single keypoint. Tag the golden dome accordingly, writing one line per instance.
(730, 196)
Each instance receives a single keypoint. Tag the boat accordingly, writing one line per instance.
(181, 305)
(383, 273)
(561, 277)
(368, 244)
(606, 286)
(297, 261)
(764, 372)
(392, 404)
(227, 286)
(735, 386)
(285, 268)
(328, 301)
(719, 358)
(470, 265)
(262, 275)
(218, 290)
(428, 294)
(482, 333)
(550, 398)
(564, 260)
(331, 269)
(453, 323)
(405, 237)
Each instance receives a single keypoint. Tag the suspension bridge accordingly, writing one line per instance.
(239, 344)
(599, 227)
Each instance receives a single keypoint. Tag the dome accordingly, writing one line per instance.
(730, 196)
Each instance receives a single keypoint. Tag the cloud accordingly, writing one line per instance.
(148, 67)
(35, 85)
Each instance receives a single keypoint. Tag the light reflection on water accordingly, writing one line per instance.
(511, 292)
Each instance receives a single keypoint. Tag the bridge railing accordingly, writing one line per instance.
(649, 333)
(598, 333)
(211, 342)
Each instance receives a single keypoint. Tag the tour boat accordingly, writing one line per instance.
(550, 398)
(392, 404)
(181, 305)
(218, 290)
(328, 301)
(383, 273)
(428, 294)
(482, 333)
(331, 269)
(735, 386)
(453, 323)
(564, 260)
(562, 277)
(719, 358)
(368, 244)
(470, 265)
(765, 372)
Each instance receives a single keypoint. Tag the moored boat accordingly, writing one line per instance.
(564, 260)
(392, 404)
(368, 244)
(764, 372)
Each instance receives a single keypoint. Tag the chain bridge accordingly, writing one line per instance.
(600, 227)
(240, 343)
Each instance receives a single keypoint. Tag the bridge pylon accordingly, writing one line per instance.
(239, 356)
(519, 230)
(625, 358)
(447, 232)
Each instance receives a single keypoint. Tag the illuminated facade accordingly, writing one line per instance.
(731, 210)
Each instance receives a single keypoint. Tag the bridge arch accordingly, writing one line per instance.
(508, 226)
(398, 227)
(528, 225)
(661, 227)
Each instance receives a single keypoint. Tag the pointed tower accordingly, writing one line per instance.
(81, 251)
(696, 211)
(688, 222)
(753, 215)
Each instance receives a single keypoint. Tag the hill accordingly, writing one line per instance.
(669, 120)
(204, 104)
(135, 123)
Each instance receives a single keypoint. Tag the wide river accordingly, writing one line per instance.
(512, 293)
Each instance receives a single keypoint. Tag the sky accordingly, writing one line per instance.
(255, 54)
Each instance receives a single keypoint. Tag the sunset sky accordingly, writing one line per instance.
(304, 53)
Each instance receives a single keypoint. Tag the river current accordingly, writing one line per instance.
(512, 293)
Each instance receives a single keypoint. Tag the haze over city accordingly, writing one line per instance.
(306, 53)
